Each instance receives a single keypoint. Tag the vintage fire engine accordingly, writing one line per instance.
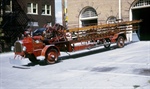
(49, 41)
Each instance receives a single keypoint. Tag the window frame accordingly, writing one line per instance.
(32, 8)
(49, 23)
(46, 10)
(34, 24)
(111, 20)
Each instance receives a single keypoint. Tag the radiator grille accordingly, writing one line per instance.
(18, 47)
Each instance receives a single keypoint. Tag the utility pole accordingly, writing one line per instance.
(63, 12)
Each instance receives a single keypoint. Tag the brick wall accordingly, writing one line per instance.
(104, 9)
(41, 19)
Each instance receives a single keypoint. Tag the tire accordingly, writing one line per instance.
(106, 44)
(51, 56)
(120, 42)
(33, 59)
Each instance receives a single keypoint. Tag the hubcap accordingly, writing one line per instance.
(52, 57)
(121, 42)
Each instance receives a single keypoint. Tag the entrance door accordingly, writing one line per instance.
(144, 31)
(140, 10)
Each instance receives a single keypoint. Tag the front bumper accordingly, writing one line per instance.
(18, 60)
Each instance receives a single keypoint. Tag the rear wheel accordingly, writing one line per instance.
(120, 42)
(51, 56)
(33, 59)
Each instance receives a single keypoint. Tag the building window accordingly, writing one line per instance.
(46, 10)
(8, 7)
(89, 12)
(49, 24)
(111, 20)
(32, 8)
(35, 24)
(142, 3)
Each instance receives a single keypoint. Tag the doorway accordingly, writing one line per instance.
(142, 13)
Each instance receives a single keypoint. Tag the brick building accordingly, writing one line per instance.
(18, 15)
(39, 11)
(81, 13)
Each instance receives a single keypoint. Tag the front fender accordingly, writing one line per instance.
(43, 53)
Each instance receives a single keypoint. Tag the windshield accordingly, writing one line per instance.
(39, 31)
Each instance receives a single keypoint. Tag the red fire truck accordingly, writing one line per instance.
(49, 41)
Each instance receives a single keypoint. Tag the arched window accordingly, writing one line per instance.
(142, 3)
(88, 17)
(89, 12)
(111, 19)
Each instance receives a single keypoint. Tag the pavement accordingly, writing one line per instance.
(98, 68)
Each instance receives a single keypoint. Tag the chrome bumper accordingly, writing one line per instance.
(18, 60)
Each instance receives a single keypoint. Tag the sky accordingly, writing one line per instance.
(58, 11)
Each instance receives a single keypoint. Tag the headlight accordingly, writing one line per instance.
(12, 48)
(24, 48)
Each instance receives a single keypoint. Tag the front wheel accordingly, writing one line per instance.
(120, 42)
(107, 43)
(51, 56)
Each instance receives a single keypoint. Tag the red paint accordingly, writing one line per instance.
(91, 36)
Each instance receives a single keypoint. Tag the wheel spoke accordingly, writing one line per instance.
(107, 43)
(120, 42)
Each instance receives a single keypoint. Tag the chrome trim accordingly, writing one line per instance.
(18, 46)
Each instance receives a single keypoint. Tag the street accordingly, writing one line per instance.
(97, 68)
